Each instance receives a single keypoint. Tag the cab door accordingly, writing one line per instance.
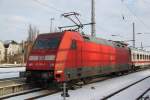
(79, 55)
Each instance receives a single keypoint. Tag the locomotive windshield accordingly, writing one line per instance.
(51, 43)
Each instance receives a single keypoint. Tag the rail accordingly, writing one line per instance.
(120, 90)
(142, 97)
(43, 95)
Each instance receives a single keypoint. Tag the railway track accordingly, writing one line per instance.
(143, 96)
(124, 88)
(21, 93)
(94, 81)
(50, 92)
(15, 88)
(39, 93)
(8, 86)
(30, 94)
(113, 76)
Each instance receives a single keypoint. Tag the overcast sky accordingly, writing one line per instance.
(113, 17)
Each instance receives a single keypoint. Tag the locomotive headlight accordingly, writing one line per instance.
(33, 58)
(50, 57)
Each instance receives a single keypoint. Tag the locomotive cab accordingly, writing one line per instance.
(52, 54)
(42, 58)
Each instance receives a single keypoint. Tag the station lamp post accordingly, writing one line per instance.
(51, 24)
(141, 42)
(134, 34)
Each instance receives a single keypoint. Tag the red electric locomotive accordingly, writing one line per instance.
(69, 55)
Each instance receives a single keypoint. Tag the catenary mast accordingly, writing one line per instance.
(93, 29)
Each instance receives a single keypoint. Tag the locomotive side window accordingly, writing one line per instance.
(73, 44)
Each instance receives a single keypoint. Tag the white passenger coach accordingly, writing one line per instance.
(140, 58)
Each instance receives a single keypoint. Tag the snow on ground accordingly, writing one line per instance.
(12, 65)
(16, 69)
(9, 75)
(146, 95)
(133, 92)
(10, 72)
(107, 87)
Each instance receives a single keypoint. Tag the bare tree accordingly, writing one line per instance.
(32, 34)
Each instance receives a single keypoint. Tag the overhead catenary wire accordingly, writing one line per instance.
(62, 11)
(146, 2)
(135, 15)
(48, 6)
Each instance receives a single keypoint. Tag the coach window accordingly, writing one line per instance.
(73, 44)
(140, 56)
(133, 56)
(146, 57)
(137, 56)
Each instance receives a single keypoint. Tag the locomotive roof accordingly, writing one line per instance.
(98, 40)
(104, 41)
